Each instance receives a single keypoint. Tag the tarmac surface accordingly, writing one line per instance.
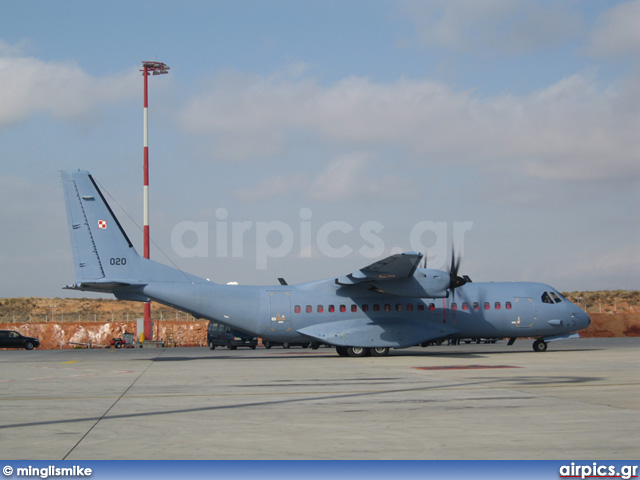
(578, 400)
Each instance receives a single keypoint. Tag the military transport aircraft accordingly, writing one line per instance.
(391, 303)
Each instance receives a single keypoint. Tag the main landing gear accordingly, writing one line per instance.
(362, 351)
(540, 345)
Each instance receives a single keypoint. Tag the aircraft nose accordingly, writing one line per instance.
(582, 318)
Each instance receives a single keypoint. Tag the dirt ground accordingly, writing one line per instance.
(57, 322)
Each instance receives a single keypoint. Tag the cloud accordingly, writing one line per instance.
(573, 129)
(273, 187)
(29, 86)
(617, 33)
(502, 26)
(18, 48)
(615, 268)
(351, 177)
(348, 177)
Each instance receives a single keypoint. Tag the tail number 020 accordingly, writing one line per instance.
(118, 261)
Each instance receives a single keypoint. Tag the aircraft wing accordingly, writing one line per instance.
(385, 332)
(401, 265)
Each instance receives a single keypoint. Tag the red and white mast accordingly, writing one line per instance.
(155, 68)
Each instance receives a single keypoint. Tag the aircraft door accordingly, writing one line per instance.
(525, 312)
(280, 311)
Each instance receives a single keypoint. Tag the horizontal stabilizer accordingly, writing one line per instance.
(99, 286)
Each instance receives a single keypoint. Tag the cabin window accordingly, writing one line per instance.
(497, 305)
(296, 309)
(343, 308)
(332, 308)
(507, 305)
(409, 307)
(454, 306)
(487, 305)
(320, 309)
(309, 309)
(421, 307)
(354, 308)
(465, 306)
(387, 307)
(546, 298)
(476, 306)
(555, 297)
(398, 307)
(376, 307)
(365, 307)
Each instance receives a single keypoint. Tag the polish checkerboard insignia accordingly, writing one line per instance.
(102, 224)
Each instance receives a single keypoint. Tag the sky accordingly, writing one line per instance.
(308, 139)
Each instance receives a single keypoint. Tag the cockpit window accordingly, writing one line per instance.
(555, 297)
(546, 298)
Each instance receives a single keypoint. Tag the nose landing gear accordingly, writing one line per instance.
(540, 345)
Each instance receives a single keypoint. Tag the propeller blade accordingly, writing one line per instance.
(455, 280)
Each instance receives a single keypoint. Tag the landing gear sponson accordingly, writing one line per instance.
(538, 346)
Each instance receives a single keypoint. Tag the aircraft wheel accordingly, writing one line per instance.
(267, 344)
(285, 345)
(539, 345)
(379, 351)
(211, 346)
(358, 351)
(342, 351)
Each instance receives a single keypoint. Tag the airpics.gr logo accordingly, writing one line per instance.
(598, 471)
(266, 240)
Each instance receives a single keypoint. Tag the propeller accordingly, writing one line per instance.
(456, 280)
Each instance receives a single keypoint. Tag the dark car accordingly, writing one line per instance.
(219, 335)
(11, 339)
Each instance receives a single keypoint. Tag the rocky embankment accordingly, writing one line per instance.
(97, 321)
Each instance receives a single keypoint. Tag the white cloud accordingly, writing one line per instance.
(18, 48)
(350, 177)
(617, 268)
(617, 32)
(347, 177)
(29, 85)
(273, 187)
(503, 26)
(570, 130)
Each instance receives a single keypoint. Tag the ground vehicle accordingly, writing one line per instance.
(126, 341)
(11, 339)
(219, 335)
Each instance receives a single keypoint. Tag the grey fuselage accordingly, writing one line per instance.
(279, 313)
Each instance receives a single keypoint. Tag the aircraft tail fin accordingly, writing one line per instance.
(105, 260)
